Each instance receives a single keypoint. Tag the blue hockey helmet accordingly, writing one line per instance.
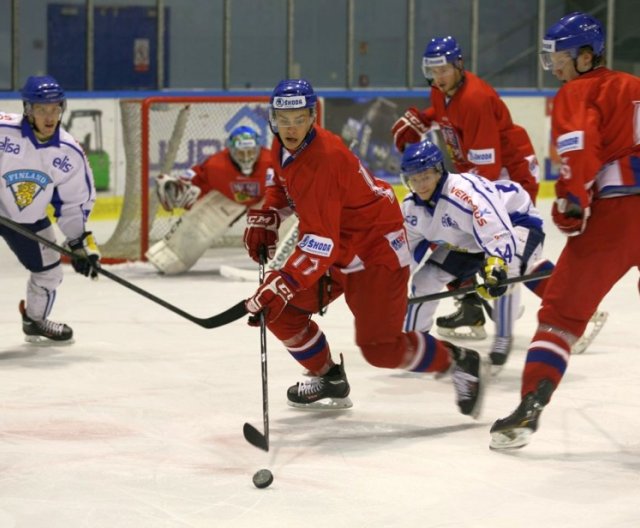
(244, 147)
(292, 94)
(440, 51)
(42, 89)
(419, 157)
(570, 33)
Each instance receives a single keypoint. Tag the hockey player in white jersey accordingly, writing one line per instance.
(470, 225)
(41, 164)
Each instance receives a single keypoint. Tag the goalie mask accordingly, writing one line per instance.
(244, 148)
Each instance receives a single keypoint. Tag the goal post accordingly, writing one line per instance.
(170, 134)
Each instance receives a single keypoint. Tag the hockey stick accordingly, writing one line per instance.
(228, 316)
(543, 274)
(251, 434)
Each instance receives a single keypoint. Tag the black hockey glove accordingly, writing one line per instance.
(86, 259)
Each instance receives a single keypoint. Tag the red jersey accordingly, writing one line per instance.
(220, 173)
(595, 125)
(347, 218)
(480, 135)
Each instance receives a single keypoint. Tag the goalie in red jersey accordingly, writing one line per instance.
(216, 193)
(595, 126)
(480, 138)
(351, 241)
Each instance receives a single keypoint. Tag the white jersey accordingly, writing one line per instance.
(468, 213)
(34, 175)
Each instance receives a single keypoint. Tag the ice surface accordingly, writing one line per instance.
(139, 423)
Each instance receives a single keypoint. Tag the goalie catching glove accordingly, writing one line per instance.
(86, 259)
(261, 231)
(271, 297)
(494, 273)
(175, 192)
(410, 128)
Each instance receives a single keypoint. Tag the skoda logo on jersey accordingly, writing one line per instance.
(25, 185)
(482, 156)
(316, 245)
(9, 148)
(570, 141)
(298, 101)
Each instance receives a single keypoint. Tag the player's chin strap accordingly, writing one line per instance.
(228, 316)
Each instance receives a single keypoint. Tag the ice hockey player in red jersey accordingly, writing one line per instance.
(216, 193)
(480, 138)
(595, 127)
(351, 241)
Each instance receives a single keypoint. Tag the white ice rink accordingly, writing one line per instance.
(139, 423)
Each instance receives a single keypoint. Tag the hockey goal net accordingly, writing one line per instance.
(170, 135)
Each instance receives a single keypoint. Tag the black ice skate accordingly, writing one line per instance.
(330, 391)
(467, 322)
(516, 429)
(44, 332)
(500, 352)
(469, 379)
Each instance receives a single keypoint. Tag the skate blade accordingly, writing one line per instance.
(473, 333)
(511, 439)
(597, 320)
(326, 404)
(42, 341)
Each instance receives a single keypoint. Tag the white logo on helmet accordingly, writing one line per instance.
(299, 101)
(549, 46)
(244, 142)
(428, 62)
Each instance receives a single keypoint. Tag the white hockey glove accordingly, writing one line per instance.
(175, 192)
(86, 260)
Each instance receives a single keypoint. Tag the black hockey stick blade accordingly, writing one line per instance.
(542, 274)
(255, 437)
(228, 316)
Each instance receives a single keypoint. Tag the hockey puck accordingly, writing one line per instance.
(262, 478)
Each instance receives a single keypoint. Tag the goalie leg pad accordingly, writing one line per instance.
(194, 233)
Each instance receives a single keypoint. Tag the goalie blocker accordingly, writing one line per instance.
(194, 233)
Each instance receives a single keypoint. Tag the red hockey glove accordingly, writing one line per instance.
(569, 216)
(262, 230)
(494, 273)
(409, 128)
(271, 297)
